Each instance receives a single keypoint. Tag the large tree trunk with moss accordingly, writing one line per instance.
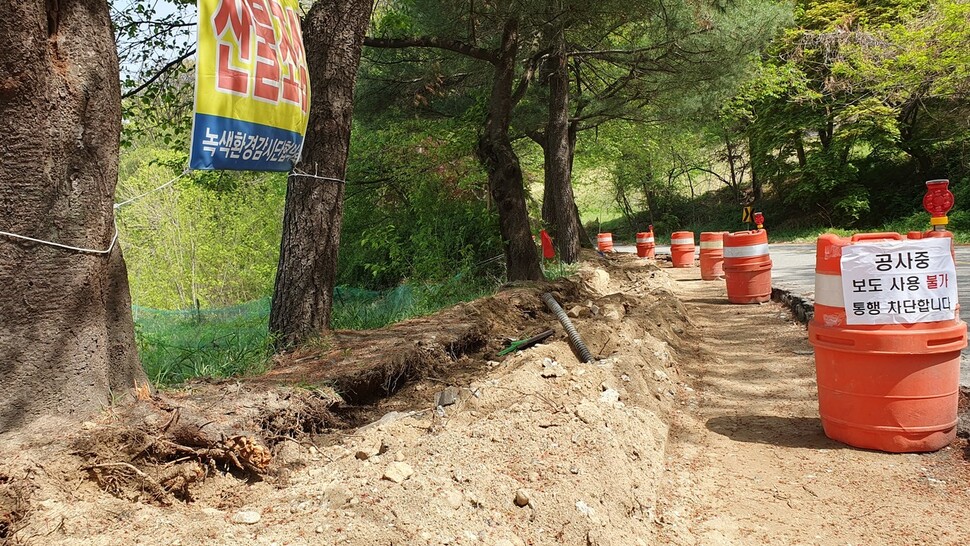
(303, 295)
(66, 335)
(504, 172)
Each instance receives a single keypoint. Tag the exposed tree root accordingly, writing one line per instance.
(170, 457)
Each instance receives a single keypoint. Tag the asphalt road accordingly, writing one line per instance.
(793, 269)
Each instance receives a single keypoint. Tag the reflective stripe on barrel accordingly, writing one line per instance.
(749, 251)
(892, 387)
(645, 244)
(682, 248)
(747, 267)
(605, 242)
(828, 290)
(711, 255)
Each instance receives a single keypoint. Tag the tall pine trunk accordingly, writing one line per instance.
(66, 334)
(557, 154)
(303, 295)
(504, 172)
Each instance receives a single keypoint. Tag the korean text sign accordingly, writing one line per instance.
(899, 282)
(252, 91)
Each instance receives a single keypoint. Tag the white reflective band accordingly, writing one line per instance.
(746, 251)
(712, 244)
(689, 241)
(644, 239)
(828, 290)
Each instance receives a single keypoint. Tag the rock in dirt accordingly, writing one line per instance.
(609, 396)
(588, 413)
(522, 498)
(599, 281)
(577, 311)
(613, 313)
(660, 375)
(447, 397)
(398, 471)
(338, 495)
(366, 452)
(387, 419)
(454, 499)
(246, 517)
(585, 509)
(551, 368)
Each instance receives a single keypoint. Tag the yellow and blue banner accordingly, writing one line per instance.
(252, 88)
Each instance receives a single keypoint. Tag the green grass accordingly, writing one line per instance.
(175, 346)
(178, 345)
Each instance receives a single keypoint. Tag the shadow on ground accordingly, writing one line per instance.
(800, 432)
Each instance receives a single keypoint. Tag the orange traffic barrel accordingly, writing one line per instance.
(891, 387)
(646, 247)
(604, 241)
(747, 266)
(712, 255)
(682, 248)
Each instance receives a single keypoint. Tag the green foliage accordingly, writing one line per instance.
(416, 207)
(175, 346)
(213, 238)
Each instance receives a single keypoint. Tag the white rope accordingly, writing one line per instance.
(114, 238)
(149, 192)
(300, 174)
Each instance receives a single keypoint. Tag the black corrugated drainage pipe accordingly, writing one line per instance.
(574, 339)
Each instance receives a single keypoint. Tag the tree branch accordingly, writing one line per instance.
(436, 43)
(158, 74)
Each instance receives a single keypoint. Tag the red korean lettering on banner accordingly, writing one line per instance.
(235, 17)
(279, 69)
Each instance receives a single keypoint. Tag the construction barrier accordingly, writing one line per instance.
(891, 386)
(646, 247)
(604, 241)
(747, 266)
(682, 248)
(712, 255)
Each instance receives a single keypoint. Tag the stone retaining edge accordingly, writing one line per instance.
(801, 308)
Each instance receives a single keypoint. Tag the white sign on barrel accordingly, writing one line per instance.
(899, 282)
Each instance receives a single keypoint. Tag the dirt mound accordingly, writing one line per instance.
(413, 434)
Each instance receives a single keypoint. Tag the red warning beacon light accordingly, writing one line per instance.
(759, 220)
(938, 201)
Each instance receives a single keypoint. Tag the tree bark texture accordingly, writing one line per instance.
(303, 294)
(557, 156)
(504, 172)
(66, 334)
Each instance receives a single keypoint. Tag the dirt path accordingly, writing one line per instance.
(747, 462)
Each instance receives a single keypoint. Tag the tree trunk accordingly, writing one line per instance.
(754, 159)
(800, 151)
(504, 172)
(66, 334)
(303, 294)
(584, 239)
(556, 152)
